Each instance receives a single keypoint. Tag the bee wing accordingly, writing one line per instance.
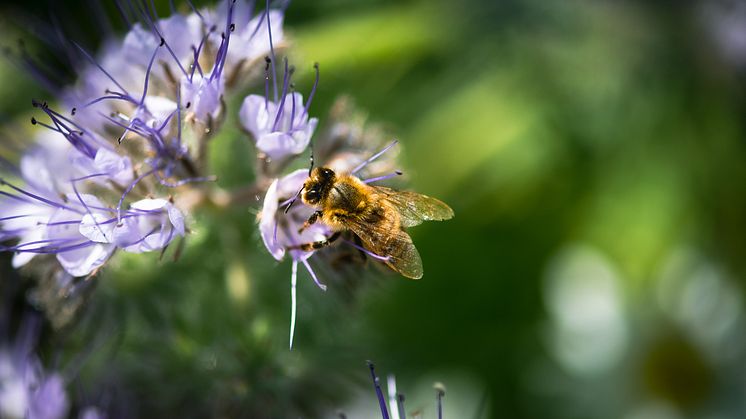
(415, 208)
(395, 245)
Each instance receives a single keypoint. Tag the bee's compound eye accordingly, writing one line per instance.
(327, 173)
(312, 195)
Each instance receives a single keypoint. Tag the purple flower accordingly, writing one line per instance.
(41, 222)
(250, 33)
(203, 93)
(279, 130)
(279, 230)
(49, 400)
(26, 391)
(77, 235)
(181, 32)
(150, 224)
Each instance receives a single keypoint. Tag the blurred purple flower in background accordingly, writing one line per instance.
(26, 390)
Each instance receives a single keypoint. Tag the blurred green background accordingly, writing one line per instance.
(593, 152)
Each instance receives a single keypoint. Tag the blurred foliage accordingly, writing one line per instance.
(617, 125)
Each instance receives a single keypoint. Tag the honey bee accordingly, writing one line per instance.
(378, 215)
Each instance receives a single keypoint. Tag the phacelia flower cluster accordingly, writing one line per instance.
(119, 159)
(115, 150)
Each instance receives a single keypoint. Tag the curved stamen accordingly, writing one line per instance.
(88, 210)
(281, 108)
(293, 300)
(111, 97)
(195, 10)
(154, 27)
(266, 83)
(313, 275)
(31, 195)
(384, 177)
(271, 51)
(292, 109)
(128, 190)
(178, 118)
(106, 73)
(373, 157)
(313, 90)
(368, 252)
(222, 55)
(379, 393)
(52, 249)
(147, 73)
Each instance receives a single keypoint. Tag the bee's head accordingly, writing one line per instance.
(318, 185)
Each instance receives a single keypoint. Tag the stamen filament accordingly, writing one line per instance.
(281, 107)
(379, 393)
(373, 157)
(313, 275)
(293, 300)
(313, 91)
(271, 52)
(384, 177)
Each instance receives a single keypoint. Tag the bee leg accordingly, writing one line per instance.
(311, 220)
(307, 247)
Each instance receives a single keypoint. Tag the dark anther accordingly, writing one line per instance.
(399, 172)
(163, 42)
(291, 69)
(33, 121)
(73, 111)
(233, 27)
(213, 28)
(188, 105)
(267, 59)
(316, 66)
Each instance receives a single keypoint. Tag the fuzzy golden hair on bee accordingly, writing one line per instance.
(378, 215)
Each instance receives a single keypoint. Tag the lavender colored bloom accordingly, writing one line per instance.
(250, 32)
(279, 130)
(26, 391)
(67, 236)
(21, 220)
(203, 94)
(279, 230)
(150, 224)
(91, 413)
(40, 221)
(181, 32)
(49, 400)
